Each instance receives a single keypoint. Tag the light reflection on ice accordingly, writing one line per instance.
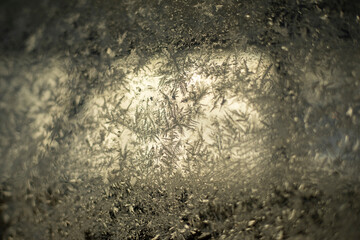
(104, 126)
(146, 96)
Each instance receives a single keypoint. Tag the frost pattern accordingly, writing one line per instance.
(137, 120)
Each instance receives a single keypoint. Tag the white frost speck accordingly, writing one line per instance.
(349, 112)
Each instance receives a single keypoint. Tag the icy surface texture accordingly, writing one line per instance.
(179, 119)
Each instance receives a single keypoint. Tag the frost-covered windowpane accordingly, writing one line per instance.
(179, 119)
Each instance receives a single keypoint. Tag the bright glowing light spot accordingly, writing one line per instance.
(142, 116)
(154, 114)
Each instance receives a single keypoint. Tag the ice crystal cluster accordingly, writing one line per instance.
(179, 119)
(164, 118)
